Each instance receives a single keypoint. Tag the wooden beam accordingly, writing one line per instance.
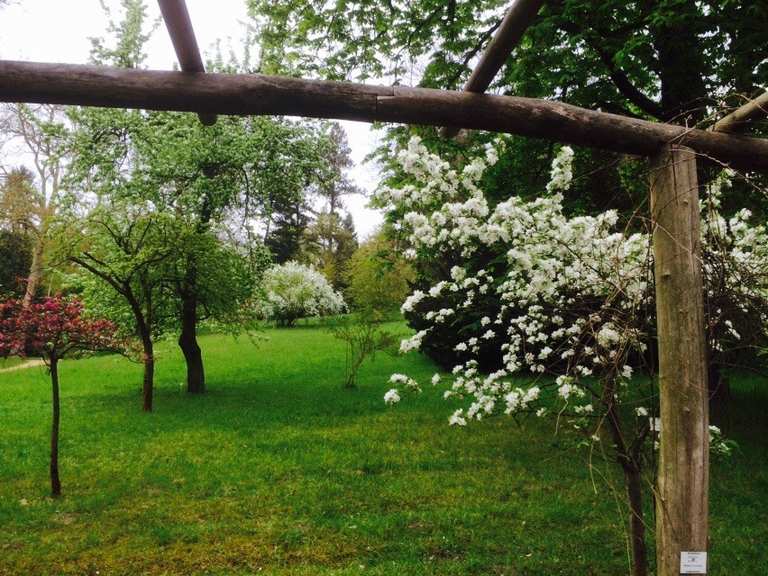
(254, 94)
(743, 115)
(516, 21)
(683, 481)
(179, 25)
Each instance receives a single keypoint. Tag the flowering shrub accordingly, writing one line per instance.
(402, 382)
(293, 291)
(573, 296)
(735, 271)
(566, 300)
(719, 445)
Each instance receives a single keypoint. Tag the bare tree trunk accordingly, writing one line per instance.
(149, 372)
(55, 482)
(634, 487)
(683, 482)
(189, 346)
(35, 273)
(630, 465)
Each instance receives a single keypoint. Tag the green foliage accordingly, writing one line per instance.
(330, 242)
(212, 181)
(33, 194)
(15, 260)
(220, 184)
(128, 36)
(226, 279)
(19, 200)
(126, 258)
(233, 170)
(623, 55)
(298, 231)
(378, 275)
(289, 219)
(364, 336)
(364, 38)
(122, 248)
(674, 60)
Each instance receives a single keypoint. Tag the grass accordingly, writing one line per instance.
(279, 471)
(10, 362)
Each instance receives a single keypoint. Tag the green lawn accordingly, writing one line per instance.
(10, 362)
(278, 470)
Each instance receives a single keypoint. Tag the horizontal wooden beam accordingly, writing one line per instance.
(179, 25)
(254, 94)
(743, 115)
(516, 21)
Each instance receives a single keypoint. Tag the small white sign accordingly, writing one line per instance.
(693, 562)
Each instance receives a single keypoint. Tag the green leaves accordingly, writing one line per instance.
(365, 39)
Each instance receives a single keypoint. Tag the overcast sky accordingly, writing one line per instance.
(58, 31)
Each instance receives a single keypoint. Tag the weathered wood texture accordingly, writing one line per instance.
(683, 480)
(741, 118)
(179, 25)
(516, 21)
(255, 94)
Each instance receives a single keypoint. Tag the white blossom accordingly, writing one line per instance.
(294, 291)
(572, 291)
(457, 419)
(562, 174)
(392, 397)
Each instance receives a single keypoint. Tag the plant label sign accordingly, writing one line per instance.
(693, 562)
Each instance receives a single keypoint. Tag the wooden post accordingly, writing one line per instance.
(254, 94)
(683, 481)
(743, 115)
(179, 25)
(518, 18)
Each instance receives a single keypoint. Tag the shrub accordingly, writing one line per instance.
(293, 291)
(364, 336)
(378, 276)
(569, 301)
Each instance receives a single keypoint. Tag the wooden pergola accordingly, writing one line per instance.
(682, 491)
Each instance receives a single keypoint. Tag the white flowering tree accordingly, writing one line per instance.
(568, 303)
(293, 291)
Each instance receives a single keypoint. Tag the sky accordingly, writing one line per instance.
(59, 31)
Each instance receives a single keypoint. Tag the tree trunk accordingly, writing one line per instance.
(188, 343)
(193, 356)
(683, 480)
(630, 465)
(634, 487)
(35, 273)
(681, 65)
(719, 388)
(149, 372)
(55, 482)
